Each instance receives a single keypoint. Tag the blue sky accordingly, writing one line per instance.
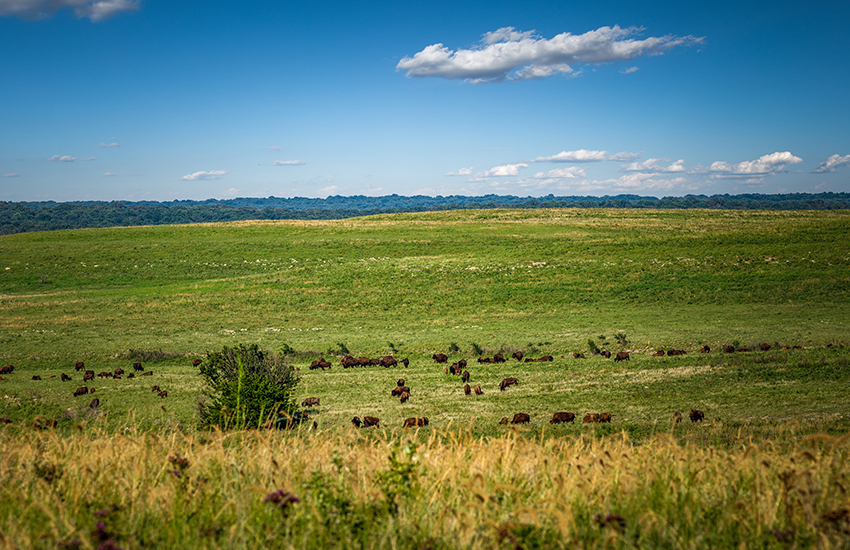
(155, 100)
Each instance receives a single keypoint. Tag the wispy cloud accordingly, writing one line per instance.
(765, 165)
(508, 54)
(585, 155)
(654, 165)
(62, 158)
(211, 175)
(832, 163)
(288, 163)
(108, 145)
(559, 173)
(630, 70)
(109, 174)
(11, 175)
(95, 10)
(504, 170)
(461, 172)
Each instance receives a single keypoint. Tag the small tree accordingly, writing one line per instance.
(246, 387)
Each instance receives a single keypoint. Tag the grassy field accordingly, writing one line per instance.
(465, 283)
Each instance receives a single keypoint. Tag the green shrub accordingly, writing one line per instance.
(247, 387)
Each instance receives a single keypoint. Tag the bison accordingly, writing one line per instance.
(605, 353)
(499, 358)
(696, 415)
(410, 423)
(147, 373)
(403, 397)
(65, 377)
(388, 361)
(562, 417)
(504, 420)
(370, 421)
(405, 362)
(400, 382)
(95, 403)
(677, 417)
(155, 389)
(7, 369)
(465, 376)
(591, 418)
(320, 363)
(36, 377)
(765, 347)
(517, 355)
(138, 366)
(578, 355)
(310, 402)
(398, 390)
(79, 366)
(348, 362)
(605, 417)
(195, 363)
(163, 393)
(105, 374)
(705, 349)
(467, 390)
(622, 356)
(485, 360)
(507, 382)
(440, 358)
(422, 421)
(82, 390)
(119, 371)
(674, 352)
(729, 349)
(521, 418)
(477, 390)
(356, 422)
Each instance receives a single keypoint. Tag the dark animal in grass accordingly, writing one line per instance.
(370, 421)
(348, 362)
(705, 349)
(467, 390)
(521, 418)
(605, 417)
(118, 371)
(116, 376)
(403, 397)
(400, 382)
(405, 362)
(765, 347)
(91, 390)
(455, 369)
(356, 422)
(81, 391)
(36, 377)
(743, 350)
(696, 415)
(310, 402)
(79, 366)
(504, 420)
(729, 349)
(155, 389)
(659, 353)
(562, 418)
(138, 366)
(422, 421)
(677, 417)
(105, 375)
(95, 403)
(196, 362)
(163, 393)
(462, 363)
(147, 373)
(507, 382)
(65, 377)
(485, 360)
(674, 352)
(477, 390)
(590, 418)
(517, 355)
(410, 423)
(622, 356)
(388, 361)
(465, 376)
(605, 353)
(578, 355)
(440, 358)
(131, 375)
(499, 358)
(320, 363)
(398, 390)
(543, 359)
(7, 369)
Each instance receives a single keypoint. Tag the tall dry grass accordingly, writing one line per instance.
(437, 490)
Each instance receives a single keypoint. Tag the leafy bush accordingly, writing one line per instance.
(247, 387)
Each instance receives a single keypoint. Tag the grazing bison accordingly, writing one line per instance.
(79, 366)
(403, 397)
(462, 363)
(91, 390)
(155, 389)
(477, 390)
(7, 369)
(465, 376)
(138, 366)
(562, 417)
(400, 382)
(705, 349)
(622, 356)
(521, 418)
(605, 353)
(36, 377)
(422, 421)
(388, 361)
(696, 416)
(729, 349)
(405, 362)
(765, 347)
(131, 375)
(119, 371)
(370, 421)
(320, 363)
(504, 420)
(348, 362)
(677, 417)
(398, 390)
(116, 376)
(543, 359)
(605, 417)
(105, 374)
(147, 373)
(440, 358)
(310, 402)
(507, 382)
(517, 355)
(467, 390)
(95, 403)
(499, 358)
(485, 360)
(659, 353)
(65, 377)
(88, 376)
(163, 393)
(578, 355)
(195, 363)
(455, 369)
(674, 352)
(590, 418)
(410, 422)
(81, 391)
(356, 422)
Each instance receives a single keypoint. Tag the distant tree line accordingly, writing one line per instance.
(20, 217)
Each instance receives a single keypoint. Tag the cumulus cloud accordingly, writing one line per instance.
(832, 163)
(62, 158)
(288, 163)
(461, 172)
(504, 170)
(765, 165)
(584, 155)
(508, 54)
(654, 165)
(96, 10)
(571, 172)
(108, 145)
(211, 175)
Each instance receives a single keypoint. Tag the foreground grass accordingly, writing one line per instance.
(442, 489)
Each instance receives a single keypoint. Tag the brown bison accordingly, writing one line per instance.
(562, 417)
(410, 423)
(403, 397)
(388, 361)
(195, 363)
(467, 390)
(517, 355)
(462, 363)
(131, 375)
(440, 358)
(675, 352)
(65, 377)
(320, 363)
(659, 353)
(398, 390)
(590, 418)
(485, 360)
(729, 349)
(138, 366)
(764, 347)
(605, 353)
(91, 390)
(622, 356)
(310, 402)
(499, 358)
(504, 420)
(521, 418)
(147, 373)
(422, 421)
(105, 374)
(82, 390)
(95, 403)
(163, 393)
(696, 416)
(356, 422)
(578, 355)
(507, 382)
(348, 362)
(79, 366)
(465, 376)
(400, 382)
(477, 390)
(405, 362)
(455, 369)
(7, 369)
(36, 377)
(119, 371)
(605, 417)
(677, 417)
(156, 389)
(705, 349)
(370, 421)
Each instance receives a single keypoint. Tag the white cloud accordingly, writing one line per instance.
(110, 174)
(504, 170)
(11, 175)
(330, 190)
(211, 175)
(508, 54)
(765, 165)
(584, 155)
(97, 10)
(571, 172)
(107, 145)
(63, 158)
(654, 165)
(231, 192)
(90, 158)
(461, 172)
(833, 162)
(630, 70)
(288, 163)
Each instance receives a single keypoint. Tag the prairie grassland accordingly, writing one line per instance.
(446, 489)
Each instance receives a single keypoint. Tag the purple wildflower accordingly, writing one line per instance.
(281, 499)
